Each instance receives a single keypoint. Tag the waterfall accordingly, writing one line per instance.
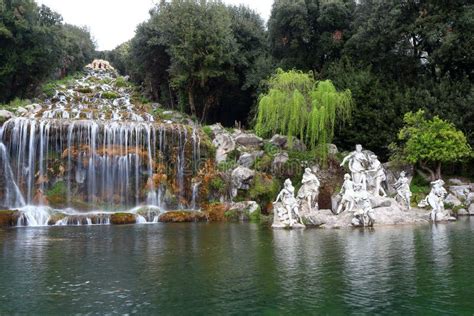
(89, 153)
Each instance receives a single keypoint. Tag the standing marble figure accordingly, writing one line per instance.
(309, 190)
(358, 162)
(347, 192)
(403, 189)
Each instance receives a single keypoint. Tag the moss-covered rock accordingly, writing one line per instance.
(9, 218)
(123, 219)
(183, 217)
(215, 212)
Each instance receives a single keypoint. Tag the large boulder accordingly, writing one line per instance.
(451, 199)
(243, 211)
(5, 116)
(182, 217)
(281, 141)
(247, 139)
(460, 191)
(241, 179)
(224, 144)
(279, 161)
(248, 159)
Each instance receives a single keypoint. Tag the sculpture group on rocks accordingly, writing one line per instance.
(288, 208)
(362, 192)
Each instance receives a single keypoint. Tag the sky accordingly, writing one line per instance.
(113, 22)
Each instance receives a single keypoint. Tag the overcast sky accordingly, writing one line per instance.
(113, 22)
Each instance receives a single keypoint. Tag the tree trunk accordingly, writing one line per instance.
(192, 105)
(438, 170)
(207, 105)
(431, 172)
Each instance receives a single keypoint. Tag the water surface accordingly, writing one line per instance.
(237, 269)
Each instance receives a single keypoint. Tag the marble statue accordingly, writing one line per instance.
(347, 193)
(364, 213)
(309, 191)
(376, 176)
(358, 163)
(286, 213)
(436, 201)
(403, 189)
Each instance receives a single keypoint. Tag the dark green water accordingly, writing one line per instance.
(237, 269)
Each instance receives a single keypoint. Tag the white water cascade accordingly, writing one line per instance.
(90, 154)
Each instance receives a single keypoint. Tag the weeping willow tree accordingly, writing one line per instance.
(298, 105)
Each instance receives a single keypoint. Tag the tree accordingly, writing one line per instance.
(297, 105)
(202, 49)
(430, 143)
(36, 46)
(306, 34)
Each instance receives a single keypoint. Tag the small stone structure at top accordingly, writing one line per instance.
(100, 64)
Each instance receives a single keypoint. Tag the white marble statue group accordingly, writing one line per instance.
(288, 208)
(362, 188)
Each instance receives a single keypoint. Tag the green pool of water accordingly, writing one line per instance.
(237, 269)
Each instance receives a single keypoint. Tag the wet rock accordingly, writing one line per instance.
(34, 108)
(470, 198)
(243, 211)
(123, 219)
(247, 139)
(463, 212)
(183, 217)
(9, 218)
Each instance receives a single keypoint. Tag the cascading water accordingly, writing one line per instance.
(84, 152)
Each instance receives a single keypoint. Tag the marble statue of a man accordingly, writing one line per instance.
(403, 189)
(358, 163)
(309, 190)
(347, 192)
(288, 215)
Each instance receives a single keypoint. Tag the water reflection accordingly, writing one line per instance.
(228, 268)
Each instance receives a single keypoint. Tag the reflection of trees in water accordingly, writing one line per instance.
(378, 267)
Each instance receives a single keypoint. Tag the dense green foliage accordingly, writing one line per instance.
(198, 56)
(297, 105)
(431, 142)
(35, 46)
(213, 60)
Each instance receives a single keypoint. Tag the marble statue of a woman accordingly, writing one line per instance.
(403, 189)
(288, 215)
(436, 200)
(347, 192)
(358, 162)
(309, 190)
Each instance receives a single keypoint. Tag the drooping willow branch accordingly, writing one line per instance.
(298, 105)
